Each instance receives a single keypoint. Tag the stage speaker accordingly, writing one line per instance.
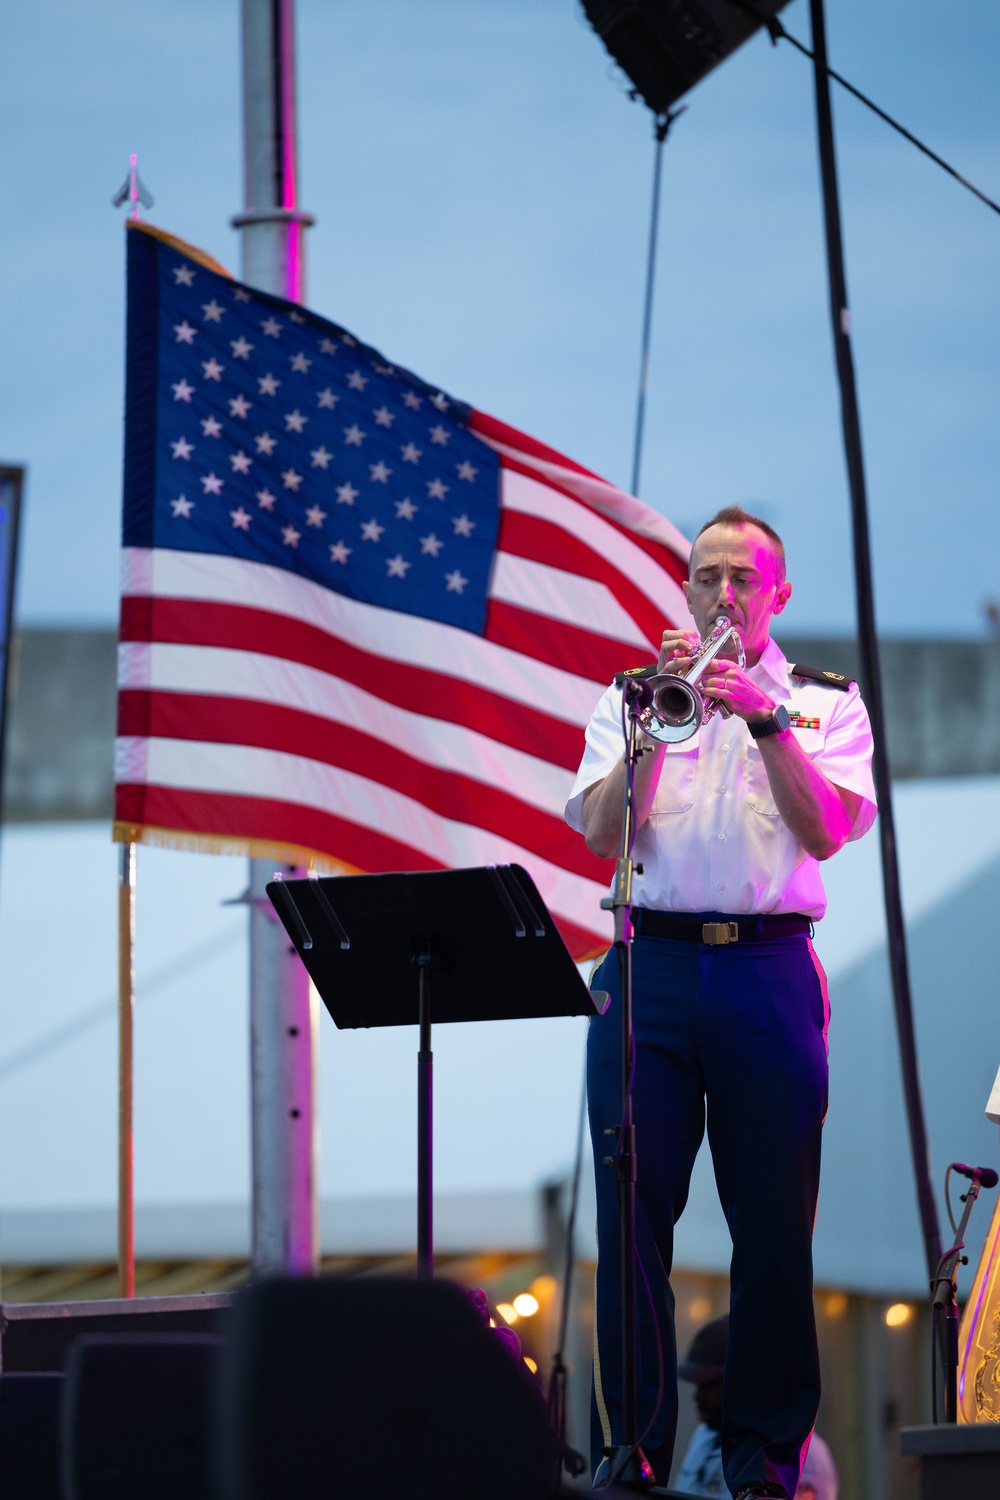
(667, 46)
(29, 1436)
(136, 1417)
(338, 1389)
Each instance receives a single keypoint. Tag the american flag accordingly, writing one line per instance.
(362, 624)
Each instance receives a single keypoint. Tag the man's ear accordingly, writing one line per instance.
(686, 586)
(781, 598)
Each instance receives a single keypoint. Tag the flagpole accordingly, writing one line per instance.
(126, 1010)
(283, 1013)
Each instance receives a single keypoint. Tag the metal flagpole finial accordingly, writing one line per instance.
(133, 191)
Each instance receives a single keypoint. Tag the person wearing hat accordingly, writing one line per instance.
(701, 1470)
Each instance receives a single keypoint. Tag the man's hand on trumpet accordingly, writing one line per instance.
(731, 685)
(677, 649)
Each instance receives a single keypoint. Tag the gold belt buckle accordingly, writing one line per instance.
(714, 933)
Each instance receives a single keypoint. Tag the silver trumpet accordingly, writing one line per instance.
(676, 709)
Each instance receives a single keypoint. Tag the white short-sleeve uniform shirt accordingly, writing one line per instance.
(714, 840)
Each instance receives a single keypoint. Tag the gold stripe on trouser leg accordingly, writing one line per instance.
(602, 1410)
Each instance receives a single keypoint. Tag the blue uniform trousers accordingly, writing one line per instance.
(739, 1032)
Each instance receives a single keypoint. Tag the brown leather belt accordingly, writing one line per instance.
(719, 929)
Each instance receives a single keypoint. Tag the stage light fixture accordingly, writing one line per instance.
(667, 46)
(525, 1305)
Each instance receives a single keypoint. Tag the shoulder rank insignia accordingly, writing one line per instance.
(640, 672)
(828, 679)
(802, 721)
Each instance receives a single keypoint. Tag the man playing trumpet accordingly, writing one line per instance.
(730, 1006)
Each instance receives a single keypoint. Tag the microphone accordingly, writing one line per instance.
(985, 1176)
(636, 684)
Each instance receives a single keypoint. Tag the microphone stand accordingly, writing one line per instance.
(945, 1300)
(628, 1464)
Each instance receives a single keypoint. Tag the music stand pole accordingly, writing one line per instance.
(486, 935)
(425, 1132)
(628, 1464)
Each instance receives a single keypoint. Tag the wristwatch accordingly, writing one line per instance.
(778, 721)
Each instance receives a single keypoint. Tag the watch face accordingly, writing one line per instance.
(781, 716)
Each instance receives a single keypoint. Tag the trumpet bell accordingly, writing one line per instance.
(674, 708)
(677, 709)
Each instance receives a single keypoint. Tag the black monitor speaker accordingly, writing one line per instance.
(667, 46)
(136, 1416)
(29, 1436)
(372, 1389)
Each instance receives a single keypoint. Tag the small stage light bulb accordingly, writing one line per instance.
(507, 1312)
(898, 1314)
(525, 1305)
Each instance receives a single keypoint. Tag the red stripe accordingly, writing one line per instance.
(268, 820)
(239, 721)
(663, 555)
(676, 566)
(581, 942)
(592, 656)
(492, 427)
(417, 689)
(546, 542)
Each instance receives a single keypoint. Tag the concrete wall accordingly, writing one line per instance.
(942, 709)
(61, 726)
(942, 700)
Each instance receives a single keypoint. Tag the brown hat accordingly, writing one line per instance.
(706, 1358)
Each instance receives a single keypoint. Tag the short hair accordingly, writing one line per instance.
(735, 515)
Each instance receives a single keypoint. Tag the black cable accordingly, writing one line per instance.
(661, 129)
(778, 33)
(947, 1203)
(934, 1363)
(871, 673)
(628, 1094)
(622, 960)
(936, 1340)
(661, 1389)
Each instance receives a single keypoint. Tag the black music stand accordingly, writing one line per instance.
(484, 934)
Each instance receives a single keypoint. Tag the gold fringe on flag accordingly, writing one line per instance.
(214, 843)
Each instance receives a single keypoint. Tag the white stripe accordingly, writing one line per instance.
(406, 639)
(239, 770)
(222, 672)
(533, 498)
(601, 496)
(559, 595)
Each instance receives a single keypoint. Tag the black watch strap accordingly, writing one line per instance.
(778, 721)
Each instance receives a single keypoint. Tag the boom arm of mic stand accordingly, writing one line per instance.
(628, 1464)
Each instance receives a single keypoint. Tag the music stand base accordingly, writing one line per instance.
(631, 1467)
